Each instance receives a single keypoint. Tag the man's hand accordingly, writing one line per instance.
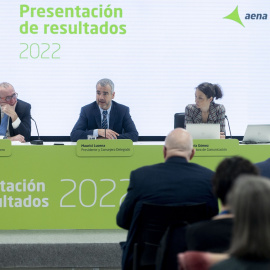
(10, 111)
(110, 134)
(19, 138)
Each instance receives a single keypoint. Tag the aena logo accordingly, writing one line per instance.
(234, 16)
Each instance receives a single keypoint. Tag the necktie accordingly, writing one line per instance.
(104, 123)
(3, 126)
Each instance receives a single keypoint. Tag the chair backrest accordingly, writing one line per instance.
(179, 120)
(153, 222)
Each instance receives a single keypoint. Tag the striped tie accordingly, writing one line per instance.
(3, 126)
(104, 123)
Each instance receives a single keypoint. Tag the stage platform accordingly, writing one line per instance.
(61, 249)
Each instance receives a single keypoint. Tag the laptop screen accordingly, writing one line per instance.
(257, 134)
(204, 131)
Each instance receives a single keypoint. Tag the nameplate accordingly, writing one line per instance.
(5, 148)
(104, 148)
(216, 147)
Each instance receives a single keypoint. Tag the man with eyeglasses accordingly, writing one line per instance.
(15, 122)
(104, 118)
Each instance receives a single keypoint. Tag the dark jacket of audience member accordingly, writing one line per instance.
(215, 235)
(264, 168)
(250, 247)
(176, 181)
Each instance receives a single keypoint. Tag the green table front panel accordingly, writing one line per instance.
(51, 187)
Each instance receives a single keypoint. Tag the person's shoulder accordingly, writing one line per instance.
(218, 107)
(90, 106)
(201, 173)
(195, 165)
(190, 110)
(144, 176)
(191, 107)
(198, 226)
(119, 106)
(22, 106)
(23, 103)
(148, 168)
(267, 161)
(210, 224)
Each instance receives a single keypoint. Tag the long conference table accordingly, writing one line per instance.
(75, 189)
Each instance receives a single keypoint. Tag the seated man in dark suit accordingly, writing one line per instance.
(176, 181)
(264, 168)
(104, 118)
(15, 115)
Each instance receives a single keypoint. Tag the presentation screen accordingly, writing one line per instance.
(156, 52)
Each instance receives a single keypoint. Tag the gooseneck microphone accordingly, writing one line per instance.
(228, 125)
(39, 141)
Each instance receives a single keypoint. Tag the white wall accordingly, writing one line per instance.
(169, 48)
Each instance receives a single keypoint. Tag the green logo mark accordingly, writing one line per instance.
(234, 16)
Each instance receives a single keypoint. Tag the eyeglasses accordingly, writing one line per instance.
(9, 98)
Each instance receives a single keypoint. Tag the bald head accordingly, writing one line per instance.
(4, 86)
(179, 143)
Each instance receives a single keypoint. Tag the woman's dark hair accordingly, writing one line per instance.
(227, 172)
(210, 90)
(249, 201)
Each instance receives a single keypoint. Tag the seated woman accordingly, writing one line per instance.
(215, 235)
(250, 248)
(206, 110)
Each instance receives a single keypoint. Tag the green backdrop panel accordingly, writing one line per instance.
(51, 187)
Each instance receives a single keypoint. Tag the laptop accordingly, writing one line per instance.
(204, 131)
(257, 134)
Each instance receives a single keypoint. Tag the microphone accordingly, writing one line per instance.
(39, 141)
(228, 125)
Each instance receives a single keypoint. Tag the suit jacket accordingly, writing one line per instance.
(174, 182)
(90, 118)
(23, 111)
(216, 115)
(264, 167)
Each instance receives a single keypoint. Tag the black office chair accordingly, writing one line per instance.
(153, 222)
(179, 120)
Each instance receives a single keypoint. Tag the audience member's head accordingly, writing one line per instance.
(179, 143)
(227, 172)
(250, 201)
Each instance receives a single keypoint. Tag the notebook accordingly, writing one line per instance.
(204, 131)
(257, 134)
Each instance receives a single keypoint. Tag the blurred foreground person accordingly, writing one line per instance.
(250, 248)
(215, 235)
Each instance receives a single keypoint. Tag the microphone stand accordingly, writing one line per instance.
(229, 126)
(39, 141)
